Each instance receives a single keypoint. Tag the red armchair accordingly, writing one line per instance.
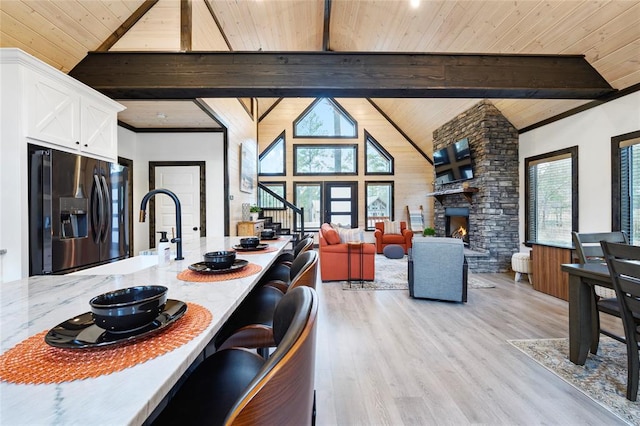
(403, 239)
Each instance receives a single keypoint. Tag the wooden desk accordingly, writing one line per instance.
(582, 325)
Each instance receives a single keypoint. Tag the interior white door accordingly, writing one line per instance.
(184, 181)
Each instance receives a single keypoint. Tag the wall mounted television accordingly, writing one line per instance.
(453, 163)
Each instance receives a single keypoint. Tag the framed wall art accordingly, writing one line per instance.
(247, 167)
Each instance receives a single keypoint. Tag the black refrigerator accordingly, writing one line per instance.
(78, 211)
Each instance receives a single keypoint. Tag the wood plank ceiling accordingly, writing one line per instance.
(607, 33)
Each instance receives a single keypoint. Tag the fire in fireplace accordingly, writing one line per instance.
(460, 233)
(457, 223)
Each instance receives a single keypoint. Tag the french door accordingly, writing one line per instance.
(331, 202)
(341, 203)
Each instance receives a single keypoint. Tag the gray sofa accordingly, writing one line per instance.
(438, 269)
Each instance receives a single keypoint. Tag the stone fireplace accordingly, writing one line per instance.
(488, 203)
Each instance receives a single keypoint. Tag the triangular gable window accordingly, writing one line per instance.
(379, 161)
(325, 118)
(271, 161)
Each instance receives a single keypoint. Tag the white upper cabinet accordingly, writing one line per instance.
(64, 112)
(98, 128)
(52, 111)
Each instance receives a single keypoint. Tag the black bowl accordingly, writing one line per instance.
(249, 242)
(219, 259)
(128, 308)
(268, 233)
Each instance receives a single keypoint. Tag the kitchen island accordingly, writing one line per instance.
(36, 304)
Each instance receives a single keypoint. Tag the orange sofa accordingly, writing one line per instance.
(334, 257)
(403, 239)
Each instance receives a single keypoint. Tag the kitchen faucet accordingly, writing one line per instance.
(178, 238)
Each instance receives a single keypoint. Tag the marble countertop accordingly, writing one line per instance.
(37, 304)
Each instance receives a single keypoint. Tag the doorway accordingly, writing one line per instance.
(129, 164)
(341, 203)
(187, 180)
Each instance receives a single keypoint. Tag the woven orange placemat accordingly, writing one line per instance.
(267, 250)
(198, 277)
(32, 361)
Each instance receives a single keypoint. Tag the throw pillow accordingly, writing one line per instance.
(392, 227)
(330, 234)
(348, 235)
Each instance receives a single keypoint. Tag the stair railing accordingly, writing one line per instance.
(283, 216)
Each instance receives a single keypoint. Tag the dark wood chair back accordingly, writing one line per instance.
(588, 247)
(589, 250)
(623, 261)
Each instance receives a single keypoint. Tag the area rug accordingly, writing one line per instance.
(603, 378)
(391, 274)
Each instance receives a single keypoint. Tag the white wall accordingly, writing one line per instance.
(126, 143)
(145, 147)
(14, 219)
(591, 131)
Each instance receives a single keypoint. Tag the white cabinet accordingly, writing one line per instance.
(78, 118)
(52, 111)
(42, 105)
(98, 129)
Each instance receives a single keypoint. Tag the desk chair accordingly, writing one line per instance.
(589, 250)
(622, 260)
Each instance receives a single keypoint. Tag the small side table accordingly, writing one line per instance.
(250, 229)
(355, 247)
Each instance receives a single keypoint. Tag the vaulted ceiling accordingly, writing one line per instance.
(607, 33)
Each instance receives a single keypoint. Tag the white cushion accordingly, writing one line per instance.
(348, 235)
(392, 227)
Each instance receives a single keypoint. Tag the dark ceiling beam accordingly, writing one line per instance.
(218, 24)
(271, 108)
(126, 25)
(186, 75)
(326, 27)
(186, 24)
(399, 130)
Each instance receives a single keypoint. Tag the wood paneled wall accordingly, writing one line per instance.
(241, 129)
(413, 173)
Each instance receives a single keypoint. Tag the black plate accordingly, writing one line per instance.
(202, 267)
(81, 332)
(257, 248)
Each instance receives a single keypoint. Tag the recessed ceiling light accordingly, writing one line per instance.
(161, 115)
(414, 3)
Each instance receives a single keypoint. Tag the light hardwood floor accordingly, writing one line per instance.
(386, 359)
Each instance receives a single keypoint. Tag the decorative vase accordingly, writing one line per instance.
(246, 213)
(254, 216)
